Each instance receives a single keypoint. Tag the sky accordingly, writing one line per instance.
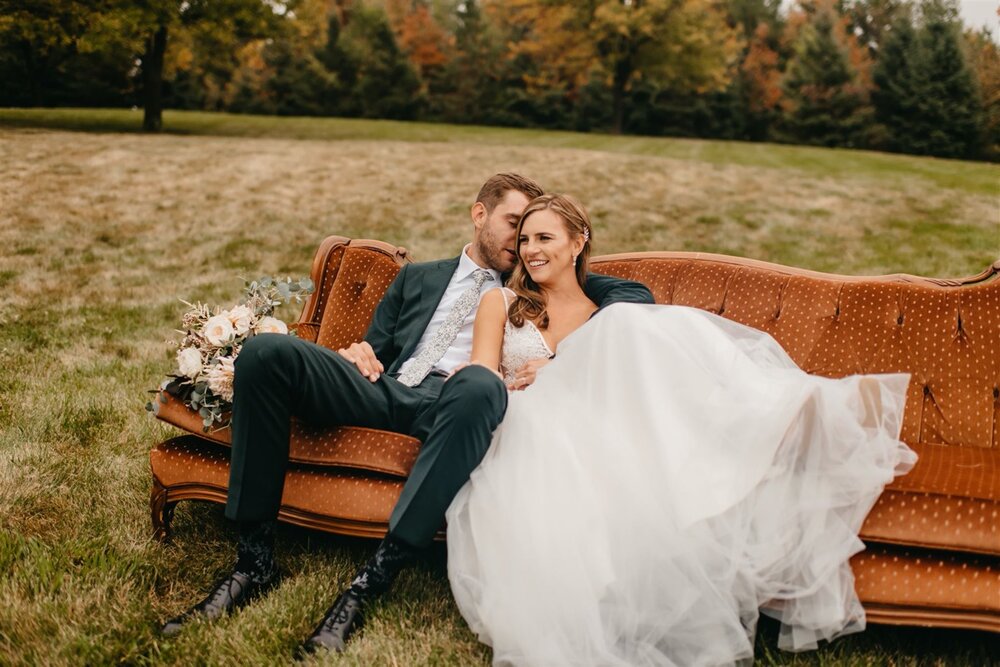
(978, 13)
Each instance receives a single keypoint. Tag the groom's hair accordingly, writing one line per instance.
(498, 185)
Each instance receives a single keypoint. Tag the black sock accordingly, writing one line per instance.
(255, 551)
(381, 569)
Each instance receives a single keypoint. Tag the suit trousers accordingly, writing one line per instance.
(278, 377)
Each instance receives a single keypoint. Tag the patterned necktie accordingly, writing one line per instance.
(446, 333)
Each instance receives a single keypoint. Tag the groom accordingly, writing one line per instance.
(393, 380)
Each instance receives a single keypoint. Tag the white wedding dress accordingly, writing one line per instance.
(667, 475)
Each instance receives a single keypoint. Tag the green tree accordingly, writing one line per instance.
(676, 44)
(897, 96)
(871, 19)
(56, 52)
(825, 100)
(386, 84)
(225, 22)
(948, 118)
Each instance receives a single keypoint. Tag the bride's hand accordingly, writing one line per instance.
(525, 375)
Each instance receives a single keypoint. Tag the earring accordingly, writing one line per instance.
(574, 260)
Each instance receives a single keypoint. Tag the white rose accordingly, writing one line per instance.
(189, 362)
(220, 378)
(218, 330)
(240, 317)
(271, 325)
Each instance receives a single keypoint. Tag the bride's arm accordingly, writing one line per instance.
(487, 332)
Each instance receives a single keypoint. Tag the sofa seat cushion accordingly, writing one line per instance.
(903, 585)
(345, 447)
(950, 500)
(358, 504)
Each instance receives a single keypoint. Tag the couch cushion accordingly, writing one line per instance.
(345, 447)
(950, 500)
(327, 499)
(911, 586)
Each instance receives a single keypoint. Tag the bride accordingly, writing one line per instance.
(664, 475)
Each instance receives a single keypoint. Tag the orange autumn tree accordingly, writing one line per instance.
(419, 35)
(762, 72)
(682, 45)
(984, 57)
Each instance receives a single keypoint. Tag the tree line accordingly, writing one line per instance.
(893, 75)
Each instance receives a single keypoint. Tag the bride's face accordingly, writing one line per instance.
(545, 246)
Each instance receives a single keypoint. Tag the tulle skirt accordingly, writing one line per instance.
(669, 475)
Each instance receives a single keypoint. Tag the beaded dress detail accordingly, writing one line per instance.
(520, 344)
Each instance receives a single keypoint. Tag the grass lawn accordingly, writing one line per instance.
(103, 229)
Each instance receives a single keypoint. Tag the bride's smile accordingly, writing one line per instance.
(547, 249)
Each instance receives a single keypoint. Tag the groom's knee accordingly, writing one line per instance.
(261, 357)
(475, 389)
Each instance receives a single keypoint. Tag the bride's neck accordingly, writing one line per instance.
(567, 288)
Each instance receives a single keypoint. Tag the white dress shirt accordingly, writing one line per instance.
(460, 350)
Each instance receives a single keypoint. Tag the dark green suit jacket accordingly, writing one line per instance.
(410, 302)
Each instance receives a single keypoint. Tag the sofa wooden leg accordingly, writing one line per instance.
(161, 511)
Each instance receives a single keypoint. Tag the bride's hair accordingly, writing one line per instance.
(530, 302)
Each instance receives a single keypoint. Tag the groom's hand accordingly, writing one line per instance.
(363, 356)
(524, 377)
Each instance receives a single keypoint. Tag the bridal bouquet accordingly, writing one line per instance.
(213, 338)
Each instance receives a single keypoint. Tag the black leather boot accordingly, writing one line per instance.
(231, 593)
(340, 622)
(347, 614)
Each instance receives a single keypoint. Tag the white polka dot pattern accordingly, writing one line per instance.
(927, 587)
(948, 501)
(324, 498)
(351, 294)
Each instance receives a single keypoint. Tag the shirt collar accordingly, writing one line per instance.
(466, 267)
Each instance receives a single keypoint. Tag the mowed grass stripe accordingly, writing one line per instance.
(971, 177)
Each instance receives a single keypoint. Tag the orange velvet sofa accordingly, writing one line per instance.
(933, 538)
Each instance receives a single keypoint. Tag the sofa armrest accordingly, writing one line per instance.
(305, 330)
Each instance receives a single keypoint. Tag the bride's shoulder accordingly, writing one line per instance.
(493, 304)
(504, 294)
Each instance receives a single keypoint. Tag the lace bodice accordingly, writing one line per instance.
(520, 344)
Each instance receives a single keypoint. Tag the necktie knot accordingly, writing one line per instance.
(481, 276)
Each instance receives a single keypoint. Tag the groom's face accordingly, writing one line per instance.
(495, 231)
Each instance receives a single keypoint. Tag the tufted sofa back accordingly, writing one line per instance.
(350, 276)
(945, 333)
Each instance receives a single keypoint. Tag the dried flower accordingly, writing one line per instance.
(220, 378)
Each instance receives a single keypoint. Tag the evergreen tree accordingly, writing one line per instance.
(896, 96)
(872, 20)
(948, 119)
(387, 84)
(825, 102)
